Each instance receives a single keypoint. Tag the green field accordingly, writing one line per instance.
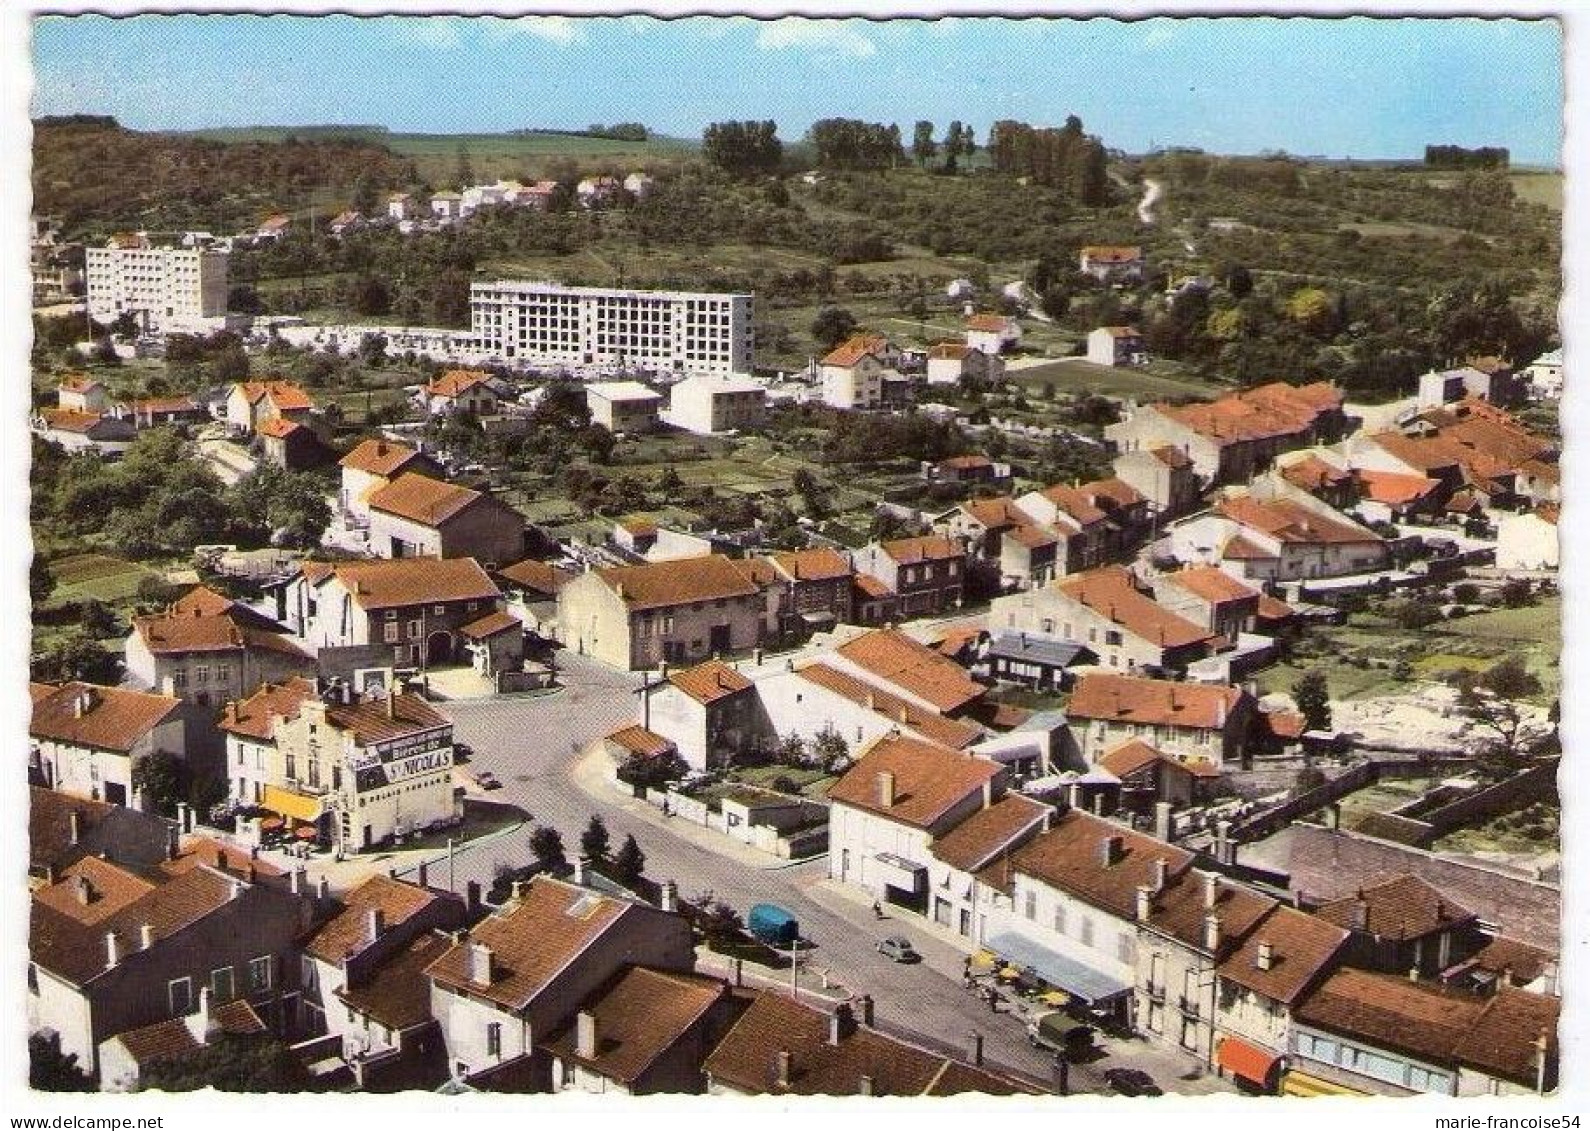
(1158, 380)
(97, 576)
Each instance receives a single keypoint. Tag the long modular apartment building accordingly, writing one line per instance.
(667, 331)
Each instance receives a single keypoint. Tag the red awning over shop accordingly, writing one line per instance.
(1245, 1060)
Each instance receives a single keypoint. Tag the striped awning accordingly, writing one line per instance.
(1302, 1084)
(290, 804)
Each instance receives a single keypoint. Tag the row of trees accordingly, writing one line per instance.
(959, 141)
(1067, 158)
(851, 144)
(1457, 157)
(743, 149)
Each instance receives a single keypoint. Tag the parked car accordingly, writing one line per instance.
(485, 779)
(1058, 1032)
(898, 949)
(462, 752)
(1131, 1082)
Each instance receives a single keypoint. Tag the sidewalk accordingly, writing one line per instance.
(592, 774)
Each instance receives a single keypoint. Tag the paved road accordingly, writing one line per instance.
(533, 745)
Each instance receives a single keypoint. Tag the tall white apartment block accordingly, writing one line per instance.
(167, 288)
(663, 331)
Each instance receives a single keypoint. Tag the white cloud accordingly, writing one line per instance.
(827, 39)
(554, 29)
(427, 31)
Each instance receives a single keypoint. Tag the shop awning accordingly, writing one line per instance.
(290, 804)
(1059, 970)
(899, 872)
(1302, 1084)
(1248, 1061)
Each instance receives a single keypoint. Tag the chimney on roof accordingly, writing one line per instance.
(905, 715)
(480, 964)
(1551, 971)
(1211, 933)
(1162, 820)
(872, 701)
(220, 857)
(783, 1067)
(865, 1003)
(295, 881)
(866, 1086)
(587, 1036)
(112, 949)
(375, 920)
(1161, 873)
(85, 891)
(424, 877)
(582, 870)
(841, 1023)
(1211, 882)
(1360, 912)
(1145, 902)
(668, 897)
(1413, 973)
(323, 889)
(1265, 958)
(977, 1048)
(885, 789)
(391, 702)
(1074, 795)
(1110, 849)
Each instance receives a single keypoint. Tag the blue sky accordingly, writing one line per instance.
(1344, 87)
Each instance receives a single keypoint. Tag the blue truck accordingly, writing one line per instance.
(773, 925)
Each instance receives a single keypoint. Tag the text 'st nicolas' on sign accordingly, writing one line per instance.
(412, 755)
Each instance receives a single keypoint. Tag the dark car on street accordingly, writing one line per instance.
(1131, 1082)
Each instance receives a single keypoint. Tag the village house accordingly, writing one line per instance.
(463, 390)
(926, 575)
(1094, 521)
(815, 589)
(709, 403)
(517, 977)
(888, 808)
(1106, 610)
(623, 406)
(361, 772)
(1116, 346)
(958, 901)
(447, 206)
(1164, 476)
(1278, 539)
(402, 612)
(952, 363)
(251, 403)
(1382, 1034)
(783, 1047)
(635, 617)
(597, 192)
(639, 185)
(290, 446)
(992, 334)
(1033, 659)
(415, 516)
(1210, 597)
(1259, 984)
(373, 465)
(1401, 925)
(1192, 722)
(76, 431)
(87, 740)
(79, 392)
(1544, 376)
(113, 949)
(206, 648)
(400, 206)
(150, 412)
(709, 713)
(1231, 439)
(853, 373)
(1002, 539)
(1148, 777)
(383, 933)
(344, 222)
(273, 228)
(966, 470)
(63, 829)
(1187, 924)
(644, 1032)
(1112, 264)
(126, 1058)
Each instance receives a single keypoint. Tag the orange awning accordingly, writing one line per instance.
(290, 804)
(1245, 1060)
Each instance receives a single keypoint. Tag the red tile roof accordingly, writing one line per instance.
(986, 833)
(1129, 699)
(348, 931)
(79, 383)
(421, 499)
(745, 1060)
(1070, 858)
(396, 994)
(252, 717)
(103, 718)
(1268, 411)
(1172, 457)
(999, 513)
(854, 348)
(539, 577)
(286, 396)
(1106, 253)
(456, 382)
(492, 624)
(381, 457)
(1180, 910)
(1273, 608)
(1111, 592)
(1213, 585)
(639, 741)
(382, 719)
(1312, 473)
(1301, 947)
(279, 428)
(662, 585)
(936, 728)
(928, 780)
(1292, 522)
(707, 683)
(70, 420)
(400, 582)
(1393, 489)
(170, 1040)
(989, 323)
(812, 565)
(1402, 908)
(640, 1015)
(925, 548)
(177, 635)
(1129, 757)
(913, 667)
